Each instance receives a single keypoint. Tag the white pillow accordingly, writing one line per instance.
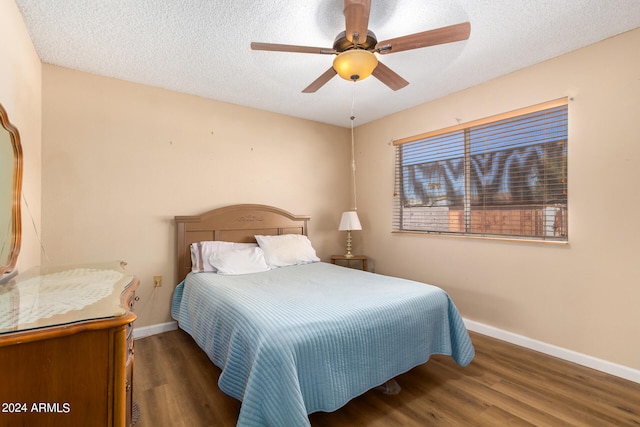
(201, 252)
(287, 249)
(239, 261)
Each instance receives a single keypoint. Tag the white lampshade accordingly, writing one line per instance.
(350, 221)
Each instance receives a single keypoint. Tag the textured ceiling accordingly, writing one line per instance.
(201, 47)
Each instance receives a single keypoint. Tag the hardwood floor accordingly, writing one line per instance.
(505, 385)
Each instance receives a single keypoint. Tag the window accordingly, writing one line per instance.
(505, 176)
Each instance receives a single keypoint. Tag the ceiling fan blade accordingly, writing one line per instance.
(291, 48)
(452, 33)
(356, 17)
(320, 81)
(389, 77)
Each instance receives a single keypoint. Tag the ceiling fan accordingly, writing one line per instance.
(356, 46)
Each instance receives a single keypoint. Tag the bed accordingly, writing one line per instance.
(304, 336)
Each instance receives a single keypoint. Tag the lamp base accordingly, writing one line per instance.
(348, 254)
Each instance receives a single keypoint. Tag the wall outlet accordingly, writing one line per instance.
(157, 281)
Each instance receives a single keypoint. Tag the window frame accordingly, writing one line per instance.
(397, 215)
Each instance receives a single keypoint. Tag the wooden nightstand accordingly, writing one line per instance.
(348, 260)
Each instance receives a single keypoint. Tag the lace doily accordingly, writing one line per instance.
(52, 294)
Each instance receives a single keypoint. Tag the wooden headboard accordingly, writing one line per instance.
(235, 223)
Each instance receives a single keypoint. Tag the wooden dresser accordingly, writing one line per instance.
(66, 347)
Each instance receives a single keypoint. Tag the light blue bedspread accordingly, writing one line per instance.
(307, 338)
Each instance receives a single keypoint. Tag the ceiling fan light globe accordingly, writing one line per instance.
(355, 64)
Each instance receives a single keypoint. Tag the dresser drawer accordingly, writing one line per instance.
(129, 390)
(131, 300)
(130, 349)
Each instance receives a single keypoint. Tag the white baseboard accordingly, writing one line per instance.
(146, 331)
(552, 350)
(559, 352)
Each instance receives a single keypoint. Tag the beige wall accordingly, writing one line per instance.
(20, 95)
(584, 296)
(120, 160)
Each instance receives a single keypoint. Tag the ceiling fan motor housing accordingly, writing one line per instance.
(341, 42)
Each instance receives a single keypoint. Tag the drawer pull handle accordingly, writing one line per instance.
(137, 298)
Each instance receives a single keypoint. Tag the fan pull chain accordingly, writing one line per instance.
(353, 150)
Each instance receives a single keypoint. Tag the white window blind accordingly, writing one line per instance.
(504, 176)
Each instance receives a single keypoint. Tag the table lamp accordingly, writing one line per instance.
(349, 222)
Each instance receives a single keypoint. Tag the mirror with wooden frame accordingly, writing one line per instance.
(10, 187)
